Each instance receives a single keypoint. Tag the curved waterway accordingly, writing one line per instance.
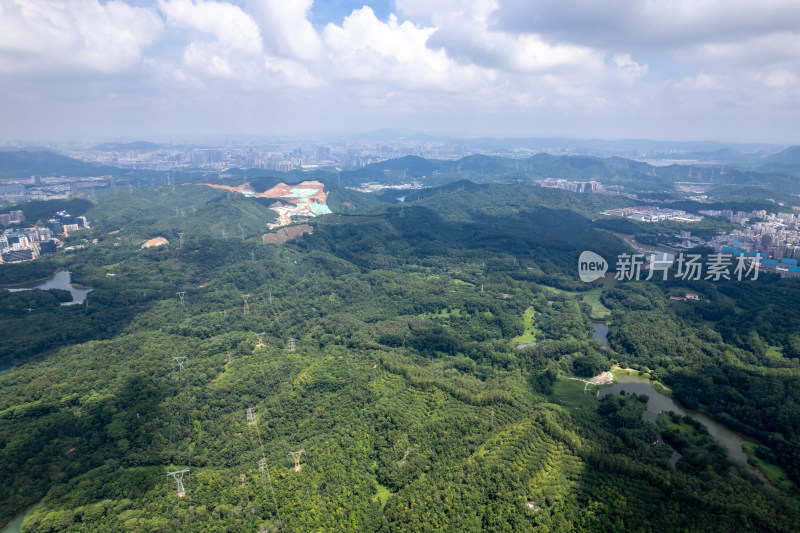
(59, 280)
(658, 402)
(15, 526)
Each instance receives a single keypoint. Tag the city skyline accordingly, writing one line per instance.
(166, 69)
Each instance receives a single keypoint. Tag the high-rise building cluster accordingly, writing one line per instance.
(774, 237)
(25, 244)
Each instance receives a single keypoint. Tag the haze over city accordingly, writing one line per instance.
(178, 69)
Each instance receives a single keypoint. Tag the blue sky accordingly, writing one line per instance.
(335, 10)
(181, 69)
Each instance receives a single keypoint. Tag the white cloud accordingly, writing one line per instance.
(648, 23)
(781, 48)
(628, 69)
(286, 29)
(367, 49)
(201, 57)
(464, 62)
(38, 35)
(463, 29)
(233, 28)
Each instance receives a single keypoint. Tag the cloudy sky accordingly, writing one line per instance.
(182, 69)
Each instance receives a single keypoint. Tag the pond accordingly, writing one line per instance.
(600, 333)
(657, 403)
(59, 280)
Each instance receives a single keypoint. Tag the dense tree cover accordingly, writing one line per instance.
(700, 452)
(43, 209)
(414, 410)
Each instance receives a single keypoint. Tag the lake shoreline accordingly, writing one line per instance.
(6, 285)
(731, 439)
(61, 279)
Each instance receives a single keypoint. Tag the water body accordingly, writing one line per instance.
(15, 526)
(657, 403)
(600, 333)
(59, 280)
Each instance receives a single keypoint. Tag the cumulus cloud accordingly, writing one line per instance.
(232, 27)
(367, 49)
(465, 34)
(225, 42)
(39, 35)
(449, 58)
(286, 28)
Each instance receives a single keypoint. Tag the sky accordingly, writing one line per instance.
(723, 70)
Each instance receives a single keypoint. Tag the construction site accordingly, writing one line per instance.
(306, 199)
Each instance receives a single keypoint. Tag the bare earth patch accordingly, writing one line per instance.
(286, 234)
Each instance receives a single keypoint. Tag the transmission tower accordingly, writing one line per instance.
(260, 343)
(251, 417)
(252, 256)
(246, 305)
(225, 235)
(180, 361)
(178, 475)
(230, 358)
(291, 344)
(296, 456)
(492, 419)
(181, 295)
(262, 466)
(242, 477)
(180, 236)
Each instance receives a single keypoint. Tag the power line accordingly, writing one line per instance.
(262, 464)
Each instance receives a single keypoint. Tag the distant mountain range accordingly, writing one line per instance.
(141, 146)
(612, 171)
(779, 171)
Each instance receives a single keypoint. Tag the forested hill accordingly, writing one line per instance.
(420, 357)
(611, 171)
(26, 164)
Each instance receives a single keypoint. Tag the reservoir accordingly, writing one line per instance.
(59, 280)
(657, 403)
